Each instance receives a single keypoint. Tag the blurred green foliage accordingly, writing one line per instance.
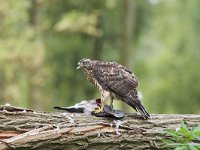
(183, 138)
(42, 41)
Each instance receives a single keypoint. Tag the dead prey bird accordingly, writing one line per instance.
(114, 81)
(88, 108)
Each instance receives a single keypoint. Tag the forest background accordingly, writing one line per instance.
(41, 42)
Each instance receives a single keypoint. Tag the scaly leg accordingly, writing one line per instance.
(111, 103)
(100, 109)
(104, 97)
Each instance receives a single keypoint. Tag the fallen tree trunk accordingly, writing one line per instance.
(27, 129)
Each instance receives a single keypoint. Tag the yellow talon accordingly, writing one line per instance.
(99, 109)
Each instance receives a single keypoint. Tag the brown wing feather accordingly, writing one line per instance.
(115, 77)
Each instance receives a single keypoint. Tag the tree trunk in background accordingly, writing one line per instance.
(33, 12)
(34, 92)
(41, 130)
(127, 31)
(98, 40)
(127, 26)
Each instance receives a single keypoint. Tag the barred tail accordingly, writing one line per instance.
(136, 104)
(142, 111)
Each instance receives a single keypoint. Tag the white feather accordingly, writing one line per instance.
(7, 104)
(140, 96)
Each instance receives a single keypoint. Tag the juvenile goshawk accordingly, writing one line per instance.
(114, 81)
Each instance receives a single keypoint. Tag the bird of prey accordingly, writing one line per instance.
(114, 81)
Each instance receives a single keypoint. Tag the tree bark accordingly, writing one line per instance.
(28, 129)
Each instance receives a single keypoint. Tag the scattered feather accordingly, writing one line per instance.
(117, 124)
(4, 110)
(7, 104)
(98, 135)
(177, 129)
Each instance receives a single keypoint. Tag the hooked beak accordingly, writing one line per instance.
(78, 66)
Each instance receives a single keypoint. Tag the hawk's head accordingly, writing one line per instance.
(85, 64)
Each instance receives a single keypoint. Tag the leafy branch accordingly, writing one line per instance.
(184, 138)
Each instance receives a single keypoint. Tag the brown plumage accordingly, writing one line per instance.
(114, 81)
